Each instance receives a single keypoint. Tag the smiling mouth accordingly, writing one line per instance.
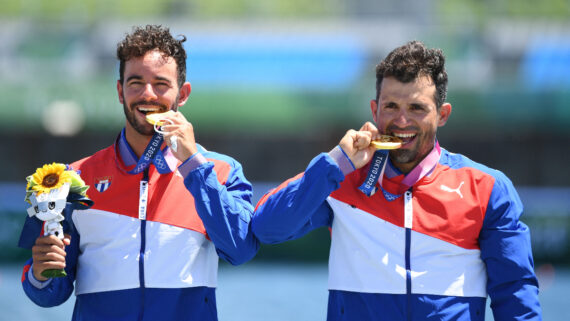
(149, 110)
(406, 138)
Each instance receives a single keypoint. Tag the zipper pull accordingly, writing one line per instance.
(408, 210)
(143, 195)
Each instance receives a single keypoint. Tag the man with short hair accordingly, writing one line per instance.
(418, 233)
(164, 207)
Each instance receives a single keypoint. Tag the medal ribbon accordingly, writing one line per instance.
(152, 154)
(378, 165)
(375, 174)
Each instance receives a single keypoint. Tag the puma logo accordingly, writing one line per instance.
(451, 190)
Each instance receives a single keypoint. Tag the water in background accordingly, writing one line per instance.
(266, 292)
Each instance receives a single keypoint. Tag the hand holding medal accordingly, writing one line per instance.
(174, 127)
(160, 119)
(362, 149)
(359, 146)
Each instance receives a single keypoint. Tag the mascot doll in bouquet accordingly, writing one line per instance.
(52, 189)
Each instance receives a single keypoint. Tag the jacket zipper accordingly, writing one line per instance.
(143, 204)
(408, 218)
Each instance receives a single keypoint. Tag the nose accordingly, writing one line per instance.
(148, 92)
(401, 119)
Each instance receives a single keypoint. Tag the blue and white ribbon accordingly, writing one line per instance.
(375, 174)
(152, 154)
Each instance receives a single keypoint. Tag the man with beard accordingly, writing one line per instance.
(148, 248)
(418, 233)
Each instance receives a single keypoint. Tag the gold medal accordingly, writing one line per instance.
(158, 119)
(386, 142)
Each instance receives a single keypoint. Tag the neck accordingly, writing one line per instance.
(405, 168)
(137, 141)
(416, 170)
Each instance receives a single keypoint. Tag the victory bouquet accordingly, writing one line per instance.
(50, 190)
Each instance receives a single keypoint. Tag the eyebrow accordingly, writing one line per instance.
(162, 79)
(418, 104)
(138, 77)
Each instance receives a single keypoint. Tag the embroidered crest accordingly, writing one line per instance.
(103, 183)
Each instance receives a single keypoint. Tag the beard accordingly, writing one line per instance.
(143, 128)
(403, 156)
(423, 146)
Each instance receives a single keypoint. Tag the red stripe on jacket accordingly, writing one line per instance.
(166, 193)
(433, 206)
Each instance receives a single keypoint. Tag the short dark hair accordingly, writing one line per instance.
(152, 37)
(411, 60)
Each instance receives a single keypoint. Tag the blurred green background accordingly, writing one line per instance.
(274, 83)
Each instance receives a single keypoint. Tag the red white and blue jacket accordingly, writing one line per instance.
(149, 258)
(435, 253)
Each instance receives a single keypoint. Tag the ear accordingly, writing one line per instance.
(443, 114)
(184, 93)
(120, 91)
(374, 109)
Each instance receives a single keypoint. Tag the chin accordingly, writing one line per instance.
(402, 156)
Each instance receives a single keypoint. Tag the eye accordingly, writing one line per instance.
(417, 107)
(135, 84)
(162, 86)
(51, 205)
(36, 209)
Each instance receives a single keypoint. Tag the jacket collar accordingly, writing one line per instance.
(423, 169)
(126, 157)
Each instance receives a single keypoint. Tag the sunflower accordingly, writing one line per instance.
(48, 177)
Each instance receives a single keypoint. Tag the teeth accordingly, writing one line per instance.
(404, 135)
(147, 109)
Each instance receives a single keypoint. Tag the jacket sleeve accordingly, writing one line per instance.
(225, 209)
(54, 291)
(299, 204)
(506, 250)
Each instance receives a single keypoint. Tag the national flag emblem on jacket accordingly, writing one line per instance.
(103, 183)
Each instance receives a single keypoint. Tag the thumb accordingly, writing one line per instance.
(67, 239)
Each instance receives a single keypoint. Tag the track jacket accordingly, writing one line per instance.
(434, 253)
(153, 257)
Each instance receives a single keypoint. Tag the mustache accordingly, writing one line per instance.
(152, 103)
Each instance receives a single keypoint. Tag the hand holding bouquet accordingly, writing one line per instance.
(47, 191)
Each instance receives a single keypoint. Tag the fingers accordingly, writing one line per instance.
(356, 144)
(66, 239)
(50, 240)
(371, 128)
(180, 134)
(356, 140)
(347, 141)
(177, 125)
(48, 253)
(49, 248)
(362, 139)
